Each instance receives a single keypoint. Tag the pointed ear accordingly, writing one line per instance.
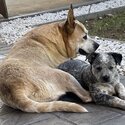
(117, 57)
(70, 22)
(91, 57)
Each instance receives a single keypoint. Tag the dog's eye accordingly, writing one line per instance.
(85, 37)
(99, 68)
(110, 67)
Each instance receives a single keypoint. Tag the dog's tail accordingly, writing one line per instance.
(28, 105)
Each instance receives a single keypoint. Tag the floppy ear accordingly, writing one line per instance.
(70, 22)
(117, 57)
(91, 57)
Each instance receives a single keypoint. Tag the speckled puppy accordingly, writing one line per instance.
(100, 77)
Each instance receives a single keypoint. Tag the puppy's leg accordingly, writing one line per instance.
(120, 89)
(105, 99)
(108, 100)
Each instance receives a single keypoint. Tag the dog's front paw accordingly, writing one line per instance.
(88, 99)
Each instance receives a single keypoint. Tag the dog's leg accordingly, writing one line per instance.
(105, 99)
(65, 82)
(56, 81)
(120, 89)
(108, 100)
(70, 84)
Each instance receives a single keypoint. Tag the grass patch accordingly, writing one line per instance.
(108, 27)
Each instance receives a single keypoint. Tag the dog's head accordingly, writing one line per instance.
(76, 36)
(104, 66)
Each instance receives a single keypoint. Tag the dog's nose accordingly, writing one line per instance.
(96, 45)
(105, 78)
(82, 52)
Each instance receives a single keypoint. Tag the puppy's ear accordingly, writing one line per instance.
(91, 57)
(117, 57)
(70, 22)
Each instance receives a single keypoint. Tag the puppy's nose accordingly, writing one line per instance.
(105, 78)
(96, 45)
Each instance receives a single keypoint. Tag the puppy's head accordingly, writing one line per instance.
(104, 66)
(77, 36)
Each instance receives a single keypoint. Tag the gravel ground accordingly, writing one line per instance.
(11, 30)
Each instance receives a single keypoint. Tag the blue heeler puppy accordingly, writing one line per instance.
(100, 77)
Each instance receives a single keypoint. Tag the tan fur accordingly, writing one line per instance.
(29, 80)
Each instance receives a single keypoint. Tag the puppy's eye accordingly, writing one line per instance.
(85, 37)
(99, 68)
(111, 67)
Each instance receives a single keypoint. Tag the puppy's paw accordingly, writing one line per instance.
(122, 96)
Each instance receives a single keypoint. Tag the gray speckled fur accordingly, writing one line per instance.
(74, 67)
(110, 92)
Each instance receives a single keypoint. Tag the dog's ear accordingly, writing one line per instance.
(117, 57)
(91, 57)
(70, 22)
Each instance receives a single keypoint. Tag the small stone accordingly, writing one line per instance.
(109, 15)
(100, 18)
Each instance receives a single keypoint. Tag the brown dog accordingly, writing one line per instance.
(29, 80)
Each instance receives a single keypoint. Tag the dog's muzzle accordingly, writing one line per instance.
(83, 52)
(106, 78)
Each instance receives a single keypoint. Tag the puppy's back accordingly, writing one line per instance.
(74, 67)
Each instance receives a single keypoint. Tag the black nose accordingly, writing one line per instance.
(96, 45)
(105, 78)
(82, 52)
